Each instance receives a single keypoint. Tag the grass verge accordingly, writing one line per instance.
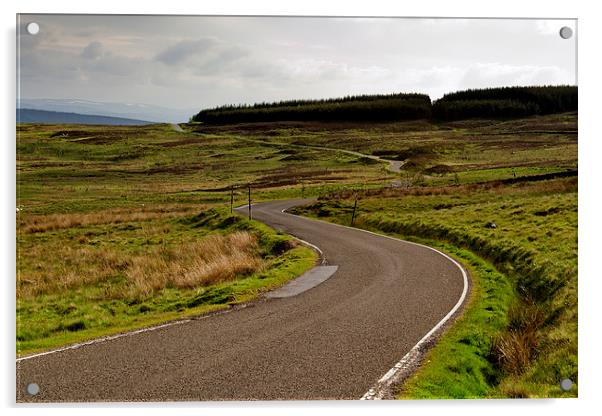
(525, 232)
(57, 317)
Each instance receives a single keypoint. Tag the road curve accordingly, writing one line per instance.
(333, 341)
(393, 165)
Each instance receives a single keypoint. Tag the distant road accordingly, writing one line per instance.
(177, 127)
(394, 165)
(334, 341)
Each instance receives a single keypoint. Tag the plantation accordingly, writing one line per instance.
(506, 102)
(509, 102)
(365, 107)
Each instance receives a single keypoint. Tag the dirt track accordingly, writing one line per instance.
(333, 341)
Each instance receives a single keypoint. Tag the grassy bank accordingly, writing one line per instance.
(81, 277)
(526, 231)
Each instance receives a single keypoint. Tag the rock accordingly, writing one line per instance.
(490, 225)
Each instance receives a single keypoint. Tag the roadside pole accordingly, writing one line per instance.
(354, 208)
(249, 201)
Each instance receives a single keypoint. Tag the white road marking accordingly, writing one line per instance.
(103, 339)
(129, 333)
(151, 328)
(375, 392)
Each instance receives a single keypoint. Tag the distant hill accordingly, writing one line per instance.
(27, 115)
(111, 109)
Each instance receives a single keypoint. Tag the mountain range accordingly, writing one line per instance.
(151, 113)
(26, 115)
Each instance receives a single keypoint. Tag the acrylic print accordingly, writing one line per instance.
(295, 208)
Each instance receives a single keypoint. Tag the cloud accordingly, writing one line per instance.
(202, 57)
(203, 61)
(94, 50)
(498, 74)
(185, 50)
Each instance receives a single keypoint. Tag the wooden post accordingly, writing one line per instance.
(231, 198)
(249, 201)
(354, 208)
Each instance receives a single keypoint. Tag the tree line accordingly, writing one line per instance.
(503, 102)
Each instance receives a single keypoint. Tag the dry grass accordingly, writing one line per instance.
(57, 268)
(516, 348)
(213, 259)
(41, 223)
(499, 187)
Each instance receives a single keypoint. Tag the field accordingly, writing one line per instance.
(121, 227)
(515, 227)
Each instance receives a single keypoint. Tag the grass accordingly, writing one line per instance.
(459, 365)
(72, 288)
(474, 149)
(533, 244)
(77, 169)
(116, 225)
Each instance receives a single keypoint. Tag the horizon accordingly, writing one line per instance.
(75, 100)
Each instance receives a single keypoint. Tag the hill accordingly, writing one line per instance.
(136, 111)
(26, 115)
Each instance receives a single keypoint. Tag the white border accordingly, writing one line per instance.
(590, 152)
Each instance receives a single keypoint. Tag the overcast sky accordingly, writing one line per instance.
(199, 62)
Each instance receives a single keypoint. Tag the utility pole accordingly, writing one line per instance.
(354, 208)
(231, 198)
(249, 201)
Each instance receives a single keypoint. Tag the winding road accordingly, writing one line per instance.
(333, 341)
(393, 165)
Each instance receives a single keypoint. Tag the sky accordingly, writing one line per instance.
(195, 62)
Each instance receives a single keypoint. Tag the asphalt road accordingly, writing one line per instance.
(333, 341)
(394, 165)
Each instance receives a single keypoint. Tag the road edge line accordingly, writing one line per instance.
(107, 338)
(378, 390)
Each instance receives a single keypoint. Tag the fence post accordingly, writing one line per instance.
(231, 198)
(354, 208)
(249, 201)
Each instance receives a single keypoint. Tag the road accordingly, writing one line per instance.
(393, 165)
(177, 128)
(333, 341)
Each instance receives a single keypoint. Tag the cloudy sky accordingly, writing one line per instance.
(199, 62)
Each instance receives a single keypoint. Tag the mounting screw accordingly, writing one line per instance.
(33, 389)
(33, 28)
(566, 384)
(566, 32)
